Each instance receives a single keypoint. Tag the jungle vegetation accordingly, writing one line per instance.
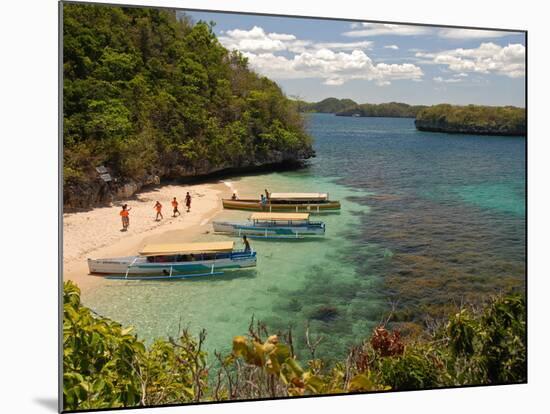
(145, 92)
(107, 365)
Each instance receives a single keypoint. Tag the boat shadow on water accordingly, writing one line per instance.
(308, 239)
(211, 279)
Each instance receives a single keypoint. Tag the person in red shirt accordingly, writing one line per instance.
(125, 216)
(175, 206)
(158, 207)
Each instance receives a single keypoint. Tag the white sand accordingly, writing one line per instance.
(97, 233)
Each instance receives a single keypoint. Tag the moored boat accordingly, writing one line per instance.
(297, 202)
(273, 225)
(175, 261)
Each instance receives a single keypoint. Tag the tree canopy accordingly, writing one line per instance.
(147, 93)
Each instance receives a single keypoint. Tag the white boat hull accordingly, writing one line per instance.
(138, 265)
(273, 231)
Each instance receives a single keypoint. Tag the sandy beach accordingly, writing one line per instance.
(97, 233)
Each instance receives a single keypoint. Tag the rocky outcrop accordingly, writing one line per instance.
(443, 126)
(95, 192)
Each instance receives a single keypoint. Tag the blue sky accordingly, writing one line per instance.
(314, 59)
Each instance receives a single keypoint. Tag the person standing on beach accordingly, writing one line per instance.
(263, 201)
(266, 194)
(246, 245)
(188, 201)
(158, 207)
(125, 216)
(175, 206)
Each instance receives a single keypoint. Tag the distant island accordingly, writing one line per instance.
(468, 119)
(348, 107)
(326, 106)
(472, 119)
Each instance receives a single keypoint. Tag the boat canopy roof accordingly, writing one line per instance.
(298, 196)
(186, 248)
(279, 216)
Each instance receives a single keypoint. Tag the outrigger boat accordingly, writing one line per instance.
(297, 202)
(273, 225)
(175, 261)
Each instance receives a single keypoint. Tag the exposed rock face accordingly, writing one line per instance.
(96, 192)
(443, 126)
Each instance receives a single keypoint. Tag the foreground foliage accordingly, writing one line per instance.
(106, 365)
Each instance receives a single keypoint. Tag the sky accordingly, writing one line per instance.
(313, 59)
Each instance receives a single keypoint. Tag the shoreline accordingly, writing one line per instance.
(96, 233)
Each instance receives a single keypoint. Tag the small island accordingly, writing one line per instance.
(383, 110)
(473, 119)
(348, 107)
(467, 119)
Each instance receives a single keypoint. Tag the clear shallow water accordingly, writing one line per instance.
(427, 219)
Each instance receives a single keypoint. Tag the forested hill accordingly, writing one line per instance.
(473, 119)
(388, 110)
(348, 107)
(326, 106)
(149, 96)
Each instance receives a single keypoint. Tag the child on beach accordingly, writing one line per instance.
(158, 207)
(125, 216)
(175, 206)
(188, 201)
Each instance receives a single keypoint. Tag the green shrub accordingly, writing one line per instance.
(106, 365)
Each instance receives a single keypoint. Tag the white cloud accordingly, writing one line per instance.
(257, 40)
(487, 58)
(366, 44)
(439, 79)
(394, 47)
(380, 29)
(334, 81)
(466, 34)
(283, 56)
(334, 68)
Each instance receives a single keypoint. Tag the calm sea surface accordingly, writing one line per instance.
(428, 221)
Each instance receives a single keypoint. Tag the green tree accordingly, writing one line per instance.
(147, 93)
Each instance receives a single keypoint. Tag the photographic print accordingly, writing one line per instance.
(261, 207)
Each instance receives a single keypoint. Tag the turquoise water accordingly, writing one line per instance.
(427, 220)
